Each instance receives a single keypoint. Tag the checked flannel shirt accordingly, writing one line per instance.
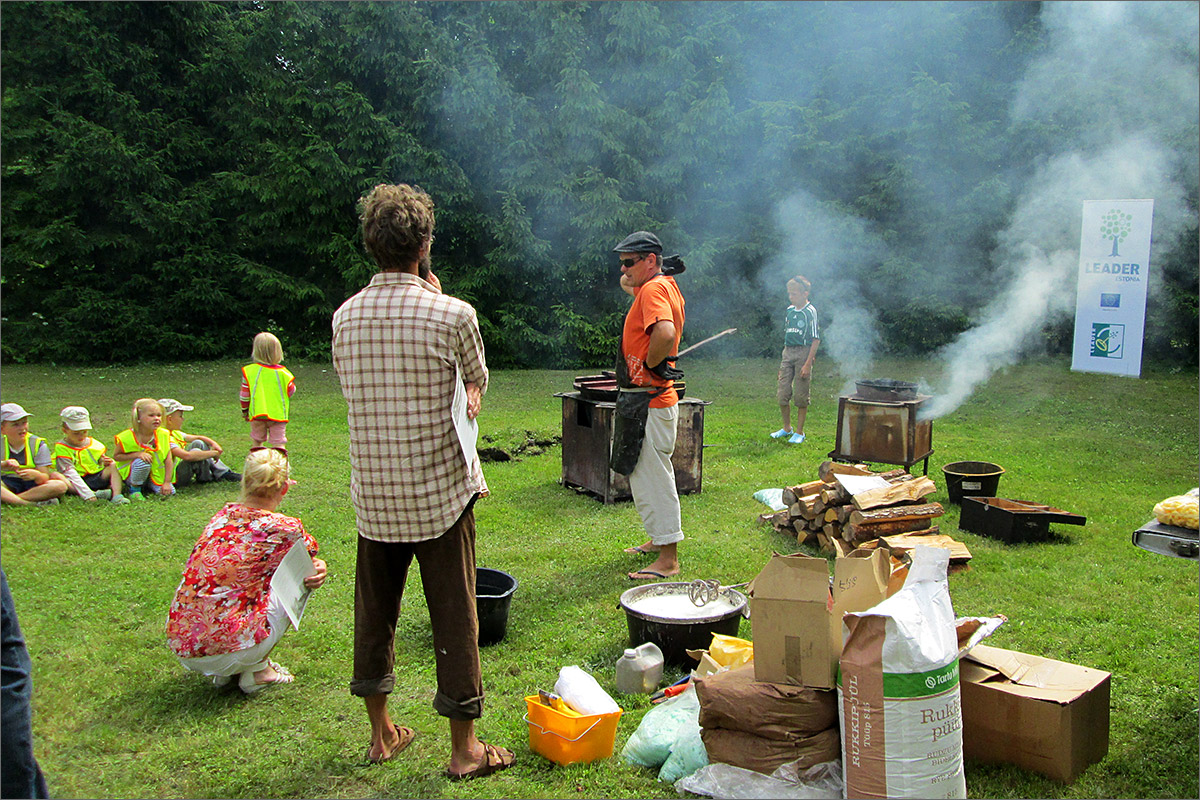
(397, 348)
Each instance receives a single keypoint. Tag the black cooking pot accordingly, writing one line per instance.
(675, 636)
(886, 390)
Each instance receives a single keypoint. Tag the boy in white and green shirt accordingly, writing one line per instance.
(802, 336)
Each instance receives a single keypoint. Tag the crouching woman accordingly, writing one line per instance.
(224, 620)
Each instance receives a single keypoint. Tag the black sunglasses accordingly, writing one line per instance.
(629, 262)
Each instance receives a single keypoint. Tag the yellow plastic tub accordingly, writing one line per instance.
(566, 739)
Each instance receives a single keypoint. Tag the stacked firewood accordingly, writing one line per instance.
(824, 514)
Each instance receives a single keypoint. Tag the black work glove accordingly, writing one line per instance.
(666, 370)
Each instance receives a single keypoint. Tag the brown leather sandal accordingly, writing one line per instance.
(406, 737)
(494, 760)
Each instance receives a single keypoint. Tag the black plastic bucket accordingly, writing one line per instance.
(493, 596)
(972, 479)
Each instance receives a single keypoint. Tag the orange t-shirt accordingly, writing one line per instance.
(657, 299)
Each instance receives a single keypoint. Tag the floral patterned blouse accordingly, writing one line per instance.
(221, 603)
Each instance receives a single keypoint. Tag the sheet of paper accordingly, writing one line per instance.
(467, 429)
(857, 484)
(287, 584)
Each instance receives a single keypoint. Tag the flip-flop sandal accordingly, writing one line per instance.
(406, 737)
(494, 760)
(640, 549)
(649, 575)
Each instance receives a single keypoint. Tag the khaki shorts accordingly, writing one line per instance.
(792, 387)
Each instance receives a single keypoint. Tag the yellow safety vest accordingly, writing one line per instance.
(177, 440)
(268, 393)
(128, 443)
(86, 458)
(32, 444)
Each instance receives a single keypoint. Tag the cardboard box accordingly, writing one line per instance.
(1044, 715)
(796, 615)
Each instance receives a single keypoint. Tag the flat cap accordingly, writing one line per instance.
(639, 242)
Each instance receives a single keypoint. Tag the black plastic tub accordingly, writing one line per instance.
(493, 596)
(675, 635)
(972, 479)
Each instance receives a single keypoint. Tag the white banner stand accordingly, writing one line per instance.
(1114, 272)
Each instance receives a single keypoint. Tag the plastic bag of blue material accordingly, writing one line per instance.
(651, 744)
(687, 753)
(772, 498)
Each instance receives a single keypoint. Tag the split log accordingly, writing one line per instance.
(843, 513)
(904, 542)
(840, 547)
(831, 514)
(819, 505)
(793, 493)
(830, 468)
(896, 512)
(892, 474)
(835, 495)
(861, 532)
(775, 518)
(804, 507)
(906, 491)
(832, 531)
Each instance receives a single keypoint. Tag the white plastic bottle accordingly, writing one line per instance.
(640, 669)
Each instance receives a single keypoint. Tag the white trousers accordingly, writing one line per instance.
(252, 659)
(653, 479)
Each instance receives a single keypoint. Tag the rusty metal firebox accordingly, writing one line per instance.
(883, 431)
(587, 430)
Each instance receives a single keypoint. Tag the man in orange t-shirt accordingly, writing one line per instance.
(649, 342)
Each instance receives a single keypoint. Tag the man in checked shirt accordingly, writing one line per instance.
(399, 348)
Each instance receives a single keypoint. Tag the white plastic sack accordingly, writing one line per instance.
(724, 781)
(898, 697)
(583, 693)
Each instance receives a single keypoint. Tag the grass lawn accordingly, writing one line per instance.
(116, 716)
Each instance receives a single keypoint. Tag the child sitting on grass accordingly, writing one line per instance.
(25, 475)
(196, 457)
(143, 452)
(267, 388)
(82, 461)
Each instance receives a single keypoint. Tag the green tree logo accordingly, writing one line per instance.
(1116, 225)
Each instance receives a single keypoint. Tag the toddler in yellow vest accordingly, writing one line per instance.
(267, 389)
(143, 452)
(82, 460)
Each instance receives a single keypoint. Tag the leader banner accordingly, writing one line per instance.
(1114, 272)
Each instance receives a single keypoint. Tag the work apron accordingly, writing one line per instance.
(629, 423)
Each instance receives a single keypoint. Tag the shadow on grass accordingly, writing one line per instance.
(181, 698)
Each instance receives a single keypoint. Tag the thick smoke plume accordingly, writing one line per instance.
(1117, 82)
(1122, 78)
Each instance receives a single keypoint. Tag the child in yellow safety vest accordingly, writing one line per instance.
(80, 459)
(267, 389)
(197, 457)
(26, 478)
(143, 452)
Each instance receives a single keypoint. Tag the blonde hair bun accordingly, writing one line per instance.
(265, 473)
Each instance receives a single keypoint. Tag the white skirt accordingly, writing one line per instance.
(253, 658)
